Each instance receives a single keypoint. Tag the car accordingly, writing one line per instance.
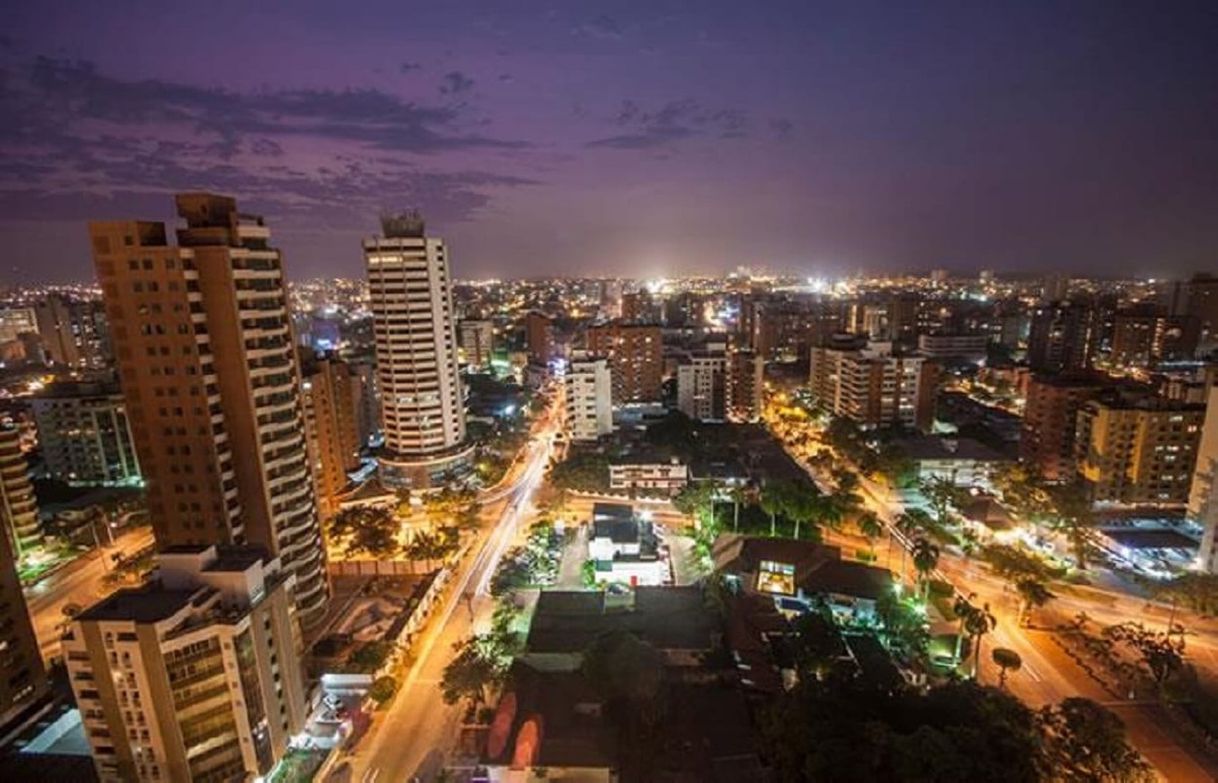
(332, 702)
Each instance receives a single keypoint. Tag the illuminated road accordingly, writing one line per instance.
(411, 738)
(81, 582)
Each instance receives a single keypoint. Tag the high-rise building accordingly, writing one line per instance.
(588, 387)
(701, 387)
(331, 426)
(1203, 308)
(903, 318)
(745, 384)
(477, 341)
(366, 389)
(1063, 336)
(611, 299)
(194, 676)
(20, 659)
(539, 337)
(203, 344)
(1203, 492)
(1054, 288)
(636, 359)
(1046, 442)
(873, 386)
(423, 409)
(73, 331)
(84, 434)
(18, 505)
(1144, 336)
(640, 307)
(1138, 448)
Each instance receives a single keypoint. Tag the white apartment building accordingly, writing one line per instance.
(193, 677)
(953, 346)
(589, 391)
(422, 405)
(701, 388)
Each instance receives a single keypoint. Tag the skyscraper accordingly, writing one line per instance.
(84, 434)
(73, 332)
(20, 659)
(331, 425)
(204, 350)
(636, 359)
(1063, 337)
(18, 506)
(539, 337)
(416, 353)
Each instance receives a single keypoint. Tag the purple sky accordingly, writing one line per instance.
(626, 138)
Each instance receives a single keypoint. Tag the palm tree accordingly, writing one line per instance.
(978, 622)
(869, 525)
(738, 495)
(773, 502)
(1072, 504)
(925, 558)
(1032, 594)
(909, 524)
(1005, 659)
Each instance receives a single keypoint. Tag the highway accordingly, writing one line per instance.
(81, 582)
(412, 736)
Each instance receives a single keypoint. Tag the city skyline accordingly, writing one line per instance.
(634, 142)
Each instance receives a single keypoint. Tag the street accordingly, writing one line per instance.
(80, 582)
(411, 736)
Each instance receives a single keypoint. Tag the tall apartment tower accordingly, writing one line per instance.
(422, 405)
(205, 355)
(20, 659)
(195, 676)
(588, 389)
(1046, 443)
(73, 332)
(636, 359)
(539, 337)
(701, 389)
(330, 391)
(477, 341)
(745, 384)
(18, 506)
(84, 434)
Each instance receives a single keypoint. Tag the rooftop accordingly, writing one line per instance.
(669, 618)
(148, 604)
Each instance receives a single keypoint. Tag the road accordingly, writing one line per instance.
(411, 737)
(81, 582)
(1048, 675)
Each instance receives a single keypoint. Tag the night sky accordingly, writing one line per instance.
(626, 138)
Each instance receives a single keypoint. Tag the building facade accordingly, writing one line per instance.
(636, 359)
(85, 436)
(745, 384)
(329, 391)
(1046, 443)
(1203, 493)
(1064, 336)
(701, 387)
(204, 349)
(73, 331)
(194, 677)
(18, 505)
(423, 409)
(24, 678)
(874, 387)
(477, 340)
(539, 337)
(1137, 448)
(589, 387)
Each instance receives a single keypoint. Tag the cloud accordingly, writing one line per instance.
(603, 27)
(781, 126)
(61, 90)
(672, 122)
(455, 83)
(408, 67)
(76, 143)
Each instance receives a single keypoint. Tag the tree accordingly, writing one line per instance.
(1014, 563)
(977, 623)
(925, 558)
(1084, 743)
(773, 502)
(382, 689)
(905, 627)
(371, 530)
(629, 675)
(1005, 660)
(481, 663)
(869, 526)
(1032, 595)
(816, 644)
(1074, 517)
(1194, 589)
(1161, 656)
(941, 494)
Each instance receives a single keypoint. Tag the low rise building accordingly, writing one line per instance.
(85, 435)
(962, 461)
(647, 474)
(625, 548)
(195, 676)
